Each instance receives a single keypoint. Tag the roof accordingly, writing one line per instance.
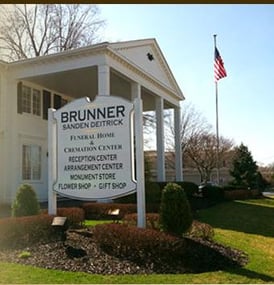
(144, 55)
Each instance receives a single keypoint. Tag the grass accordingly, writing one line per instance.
(24, 254)
(91, 223)
(246, 225)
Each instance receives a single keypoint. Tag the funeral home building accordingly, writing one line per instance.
(28, 88)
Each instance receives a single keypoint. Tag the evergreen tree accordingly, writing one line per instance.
(175, 211)
(26, 202)
(244, 168)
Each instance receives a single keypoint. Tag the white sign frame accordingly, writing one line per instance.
(136, 112)
(94, 149)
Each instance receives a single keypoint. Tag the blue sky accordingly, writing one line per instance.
(245, 39)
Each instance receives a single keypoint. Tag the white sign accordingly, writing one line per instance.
(95, 148)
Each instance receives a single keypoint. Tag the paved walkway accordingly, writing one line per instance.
(268, 194)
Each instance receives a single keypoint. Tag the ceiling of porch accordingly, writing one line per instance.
(82, 82)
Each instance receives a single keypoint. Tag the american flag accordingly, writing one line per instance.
(219, 69)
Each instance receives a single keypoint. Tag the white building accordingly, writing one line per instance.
(29, 87)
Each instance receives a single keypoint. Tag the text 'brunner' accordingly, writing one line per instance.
(93, 114)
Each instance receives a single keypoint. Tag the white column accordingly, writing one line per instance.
(139, 147)
(13, 151)
(4, 163)
(161, 174)
(103, 79)
(178, 148)
(52, 197)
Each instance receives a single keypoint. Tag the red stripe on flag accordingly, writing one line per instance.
(219, 69)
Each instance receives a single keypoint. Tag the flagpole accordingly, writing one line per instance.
(217, 124)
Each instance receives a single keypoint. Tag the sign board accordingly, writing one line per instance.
(94, 154)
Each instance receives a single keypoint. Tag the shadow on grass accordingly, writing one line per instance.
(242, 216)
(252, 275)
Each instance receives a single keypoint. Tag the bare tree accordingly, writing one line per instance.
(198, 142)
(30, 30)
(193, 123)
(201, 150)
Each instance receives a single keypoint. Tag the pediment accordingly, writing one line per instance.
(147, 55)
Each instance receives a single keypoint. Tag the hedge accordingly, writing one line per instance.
(23, 231)
(75, 216)
(241, 194)
(152, 220)
(213, 193)
(190, 188)
(164, 252)
(137, 244)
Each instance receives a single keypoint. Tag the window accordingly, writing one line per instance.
(31, 162)
(36, 102)
(26, 99)
(64, 102)
(57, 99)
(46, 103)
(29, 100)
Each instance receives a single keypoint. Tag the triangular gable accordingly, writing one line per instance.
(139, 52)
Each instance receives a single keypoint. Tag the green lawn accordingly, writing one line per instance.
(91, 223)
(246, 225)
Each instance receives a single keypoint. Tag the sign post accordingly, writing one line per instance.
(141, 212)
(52, 199)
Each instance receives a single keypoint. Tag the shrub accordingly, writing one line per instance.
(201, 230)
(190, 188)
(128, 199)
(196, 230)
(213, 193)
(162, 185)
(152, 220)
(165, 253)
(175, 212)
(153, 193)
(241, 194)
(152, 208)
(75, 215)
(23, 231)
(138, 244)
(232, 187)
(25, 203)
